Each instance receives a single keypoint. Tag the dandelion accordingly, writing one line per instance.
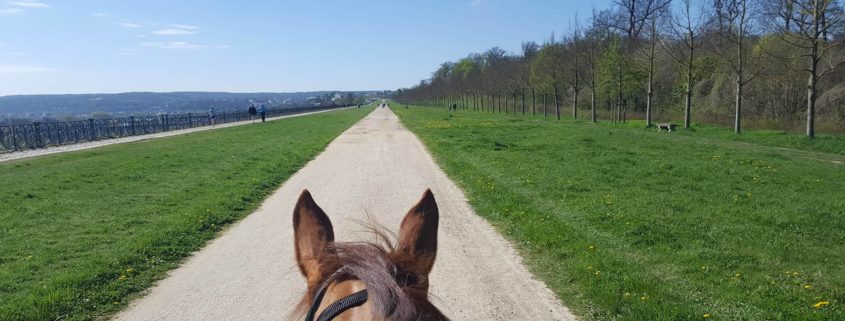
(626, 295)
(706, 315)
(643, 298)
(122, 277)
(592, 247)
(794, 273)
(589, 268)
(598, 273)
(808, 286)
(820, 304)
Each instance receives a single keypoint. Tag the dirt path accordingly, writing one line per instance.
(376, 169)
(88, 145)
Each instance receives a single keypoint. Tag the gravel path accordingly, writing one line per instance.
(88, 145)
(373, 172)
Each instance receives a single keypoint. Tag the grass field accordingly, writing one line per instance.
(624, 223)
(81, 232)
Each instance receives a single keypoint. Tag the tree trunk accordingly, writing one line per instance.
(593, 104)
(688, 105)
(523, 100)
(533, 107)
(557, 105)
(737, 121)
(545, 110)
(575, 106)
(811, 95)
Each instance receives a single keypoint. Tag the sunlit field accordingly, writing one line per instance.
(625, 223)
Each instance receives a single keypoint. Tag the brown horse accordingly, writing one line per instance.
(366, 281)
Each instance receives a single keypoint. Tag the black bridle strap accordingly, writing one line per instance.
(348, 302)
(336, 308)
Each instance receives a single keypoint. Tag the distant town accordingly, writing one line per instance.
(21, 109)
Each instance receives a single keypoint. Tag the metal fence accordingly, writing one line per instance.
(42, 135)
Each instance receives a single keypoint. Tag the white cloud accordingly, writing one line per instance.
(10, 11)
(100, 14)
(18, 69)
(129, 52)
(28, 4)
(174, 32)
(181, 45)
(130, 25)
(173, 45)
(186, 27)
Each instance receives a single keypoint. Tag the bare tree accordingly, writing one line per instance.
(734, 20)
(574, 45)
(634, 15)
(651, 56)
(812, 23)
(686, 25)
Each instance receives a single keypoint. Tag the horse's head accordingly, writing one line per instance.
(366, 281)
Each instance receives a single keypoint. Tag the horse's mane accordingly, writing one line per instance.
(390, 287)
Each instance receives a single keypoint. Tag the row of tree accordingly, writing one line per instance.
(774, 60)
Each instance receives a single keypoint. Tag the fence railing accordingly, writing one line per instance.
(46, 134)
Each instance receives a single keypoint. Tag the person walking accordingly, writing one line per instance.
(252, 111)
(263, 112)
(211, 115)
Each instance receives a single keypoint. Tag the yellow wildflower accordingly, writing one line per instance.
(627, 295)
(808, 286)
(820, 304)
(706, 315)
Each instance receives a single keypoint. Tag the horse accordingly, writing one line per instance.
(359, 281)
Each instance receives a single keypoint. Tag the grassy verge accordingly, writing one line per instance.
(629, 224)
(81, 231)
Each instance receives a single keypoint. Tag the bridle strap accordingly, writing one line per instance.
(348, 302)
(336, 308)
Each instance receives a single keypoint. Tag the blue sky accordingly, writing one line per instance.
(102, 46)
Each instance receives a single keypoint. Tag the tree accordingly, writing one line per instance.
(686, 25)
(733, 20)
(546, 70)
(812, 22)
(573, 46)
(529, 52)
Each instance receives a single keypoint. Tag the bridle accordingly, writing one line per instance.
(350, 301)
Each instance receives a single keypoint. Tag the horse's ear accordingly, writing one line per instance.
(312, 232)
(418, 236)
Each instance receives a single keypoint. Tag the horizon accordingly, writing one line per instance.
(195, 91)
(158, 46)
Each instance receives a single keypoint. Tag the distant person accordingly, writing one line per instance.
(252, 112)
(211, 116)
(263, 112)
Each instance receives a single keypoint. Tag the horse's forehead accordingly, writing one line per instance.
(340, 290)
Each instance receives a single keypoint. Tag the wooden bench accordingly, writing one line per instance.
(667, 126)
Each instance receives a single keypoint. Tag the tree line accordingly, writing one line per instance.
(775, 62)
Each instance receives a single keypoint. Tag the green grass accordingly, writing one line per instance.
(624, 223)
(81, 232)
